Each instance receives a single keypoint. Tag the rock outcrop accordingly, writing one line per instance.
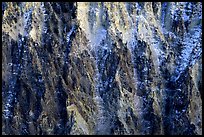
(102, 68)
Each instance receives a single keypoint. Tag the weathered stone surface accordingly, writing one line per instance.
(102, 68)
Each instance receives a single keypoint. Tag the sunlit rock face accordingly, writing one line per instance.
(102, 68)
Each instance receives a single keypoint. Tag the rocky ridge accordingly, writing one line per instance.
(102, 68)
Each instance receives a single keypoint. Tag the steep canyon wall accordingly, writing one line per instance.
(102, 68)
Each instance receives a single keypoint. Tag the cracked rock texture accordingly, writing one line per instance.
(102, 68)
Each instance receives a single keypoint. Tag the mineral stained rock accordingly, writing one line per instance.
(102, 68)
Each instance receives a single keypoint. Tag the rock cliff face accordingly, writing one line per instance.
(102, 68)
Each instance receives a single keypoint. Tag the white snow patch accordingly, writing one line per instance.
(69, 33)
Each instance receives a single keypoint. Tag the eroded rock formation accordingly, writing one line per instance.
(102, 68)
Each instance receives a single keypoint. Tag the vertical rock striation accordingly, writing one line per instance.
(102, 68)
